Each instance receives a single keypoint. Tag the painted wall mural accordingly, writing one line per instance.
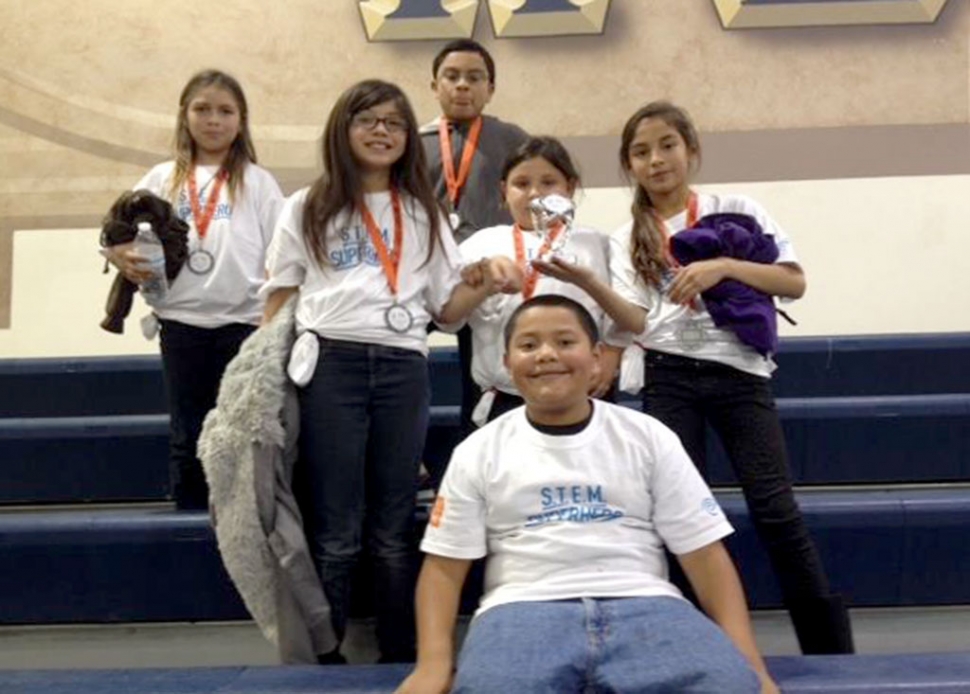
(409, 20)
(759, 14)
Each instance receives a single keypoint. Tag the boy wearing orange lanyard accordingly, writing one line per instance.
(465, 151)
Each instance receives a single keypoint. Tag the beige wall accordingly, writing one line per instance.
(845, 133)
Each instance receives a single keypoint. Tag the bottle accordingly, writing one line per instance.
(149, 246)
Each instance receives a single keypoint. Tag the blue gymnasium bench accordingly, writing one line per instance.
(932, 673)
(808, 367)
(853, 440)
(899, 547)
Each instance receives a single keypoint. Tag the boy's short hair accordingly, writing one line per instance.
(586, 321)
(464, 46)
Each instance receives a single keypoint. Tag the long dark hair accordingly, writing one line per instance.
(240, 153)
(340, 187)
(647, 246)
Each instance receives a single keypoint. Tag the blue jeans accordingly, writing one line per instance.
(363, 421)
(599, 646)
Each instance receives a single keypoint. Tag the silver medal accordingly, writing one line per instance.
(547, 213)
(398, 318)
(454, 220)
(201, 262)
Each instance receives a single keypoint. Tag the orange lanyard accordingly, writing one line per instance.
(390, 260)
(691, 221)
(456, 181)
(202, 219)
(531, 275)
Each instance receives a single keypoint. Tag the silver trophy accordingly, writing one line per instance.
(548, 214)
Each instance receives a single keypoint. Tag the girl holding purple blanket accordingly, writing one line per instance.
(698, 370)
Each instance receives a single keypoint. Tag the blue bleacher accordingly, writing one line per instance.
(932, 673)
(856, 410)
(873, 365)
(808, 367)
(869, 415)
(894, 547)
(852, 440)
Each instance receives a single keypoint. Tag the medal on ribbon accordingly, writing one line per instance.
(455, 180)
(201, 261)
(397, 317)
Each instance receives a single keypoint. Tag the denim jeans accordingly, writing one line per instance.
(687, 394)
(193, 361)
(596, 646)
(363, 421)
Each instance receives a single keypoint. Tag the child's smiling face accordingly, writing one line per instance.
(553, 363)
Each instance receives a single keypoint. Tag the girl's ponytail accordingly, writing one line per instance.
(646, 242)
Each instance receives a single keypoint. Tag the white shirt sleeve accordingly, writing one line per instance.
(610, 332)
(685, 513)
(287, 257)
(444, 271)
(154, 180)
(269, 204)
(456, 528)
(623, 276)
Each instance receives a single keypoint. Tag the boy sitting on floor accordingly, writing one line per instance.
(572, 501)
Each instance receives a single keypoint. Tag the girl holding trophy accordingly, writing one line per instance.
(538, 183)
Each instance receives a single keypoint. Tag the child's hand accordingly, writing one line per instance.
(601, 386)
(609, 368)
(426, 680)
(691, 280)
(768, 685)
(504, 275)
(563, 271)
(128, 262)
(475, 274)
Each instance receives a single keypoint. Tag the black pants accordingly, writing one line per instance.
(686, 395)
(193, 360)
(470, 392)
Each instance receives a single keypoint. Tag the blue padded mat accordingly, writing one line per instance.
(942, 673)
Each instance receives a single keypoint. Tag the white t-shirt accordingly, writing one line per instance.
(237, 237)
(347, 299)
(684, 330)
(584, 247)
(584, 515)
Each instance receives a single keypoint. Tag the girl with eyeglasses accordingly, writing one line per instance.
(364, 249)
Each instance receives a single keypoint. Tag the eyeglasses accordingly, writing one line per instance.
(368, 121)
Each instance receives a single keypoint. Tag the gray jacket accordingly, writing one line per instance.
(248, 448)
